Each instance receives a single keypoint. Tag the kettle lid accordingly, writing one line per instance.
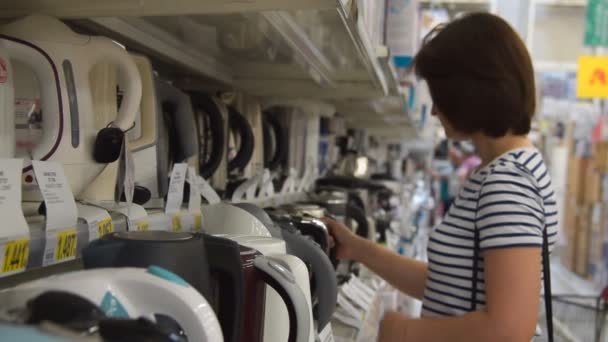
(44, 28)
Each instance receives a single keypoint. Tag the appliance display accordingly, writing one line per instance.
(130, 293)
(60, 60)
(176, 253)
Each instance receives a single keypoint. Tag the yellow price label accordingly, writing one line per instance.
(143, 226)
(198, 222)
(105, 227)
(176, 223)
(66, 244)
(16, 254)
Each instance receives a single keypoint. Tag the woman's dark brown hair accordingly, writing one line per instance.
(480, 75)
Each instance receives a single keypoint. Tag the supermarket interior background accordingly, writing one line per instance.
(302, 108)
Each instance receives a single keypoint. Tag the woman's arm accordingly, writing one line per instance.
(512, 282)
(406, 274)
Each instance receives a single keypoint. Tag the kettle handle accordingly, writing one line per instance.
(230, 276)
(326, 285)
(128, 78)
(283, 282)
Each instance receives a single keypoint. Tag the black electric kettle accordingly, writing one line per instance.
(185, 254)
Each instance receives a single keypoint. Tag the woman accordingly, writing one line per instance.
(481, 81)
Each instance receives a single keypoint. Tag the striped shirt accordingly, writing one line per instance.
(509, 201)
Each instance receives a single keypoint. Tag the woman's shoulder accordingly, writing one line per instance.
(524, 170)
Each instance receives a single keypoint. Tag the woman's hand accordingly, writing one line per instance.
(347, 244)
(392, 327)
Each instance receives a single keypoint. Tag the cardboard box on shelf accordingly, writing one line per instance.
(569, 226)
(581, 255)
(593, 183)
(574, 166)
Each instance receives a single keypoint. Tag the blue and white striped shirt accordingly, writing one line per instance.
(509, 201)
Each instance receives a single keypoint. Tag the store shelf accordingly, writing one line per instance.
(36, 250)
(109, 8)
(314, 49)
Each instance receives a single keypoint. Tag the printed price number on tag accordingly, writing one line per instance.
(105, 227)
(143, 226)
(198, 222)
(16, 254)
(176, 223)
(66, 245)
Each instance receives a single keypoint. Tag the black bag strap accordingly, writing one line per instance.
(546, 272)
(547, 285)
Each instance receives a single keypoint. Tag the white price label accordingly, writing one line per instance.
(194, 202)
(98, 220)
(206, 191)
(61, 212)
(326, 335)
(134, 212)
(175, 195)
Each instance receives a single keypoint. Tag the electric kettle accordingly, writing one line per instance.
(151, 175)
(61, 60)
(178, 125)
(7, 99)
(184, 254)
(323, 284)
(225, 218)
(141, 138)
(64, 314)
(278, 316)
(130, 292)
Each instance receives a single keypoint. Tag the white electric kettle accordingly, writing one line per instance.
(61, 60)
(141, 139)
(130, 293)
(276, 322)
(225, 218)
(7, 99)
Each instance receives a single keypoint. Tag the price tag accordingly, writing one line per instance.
(355, 297)
(136, 214)
(206, 191)
(105, 227)
(198, 222)
(99, 221)
(14, 235)
(61, 212)
(326, 335)
(175, 196)
(194, 202)
(143, 225)
(66, 245)
(176, 222)
(15, 255)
